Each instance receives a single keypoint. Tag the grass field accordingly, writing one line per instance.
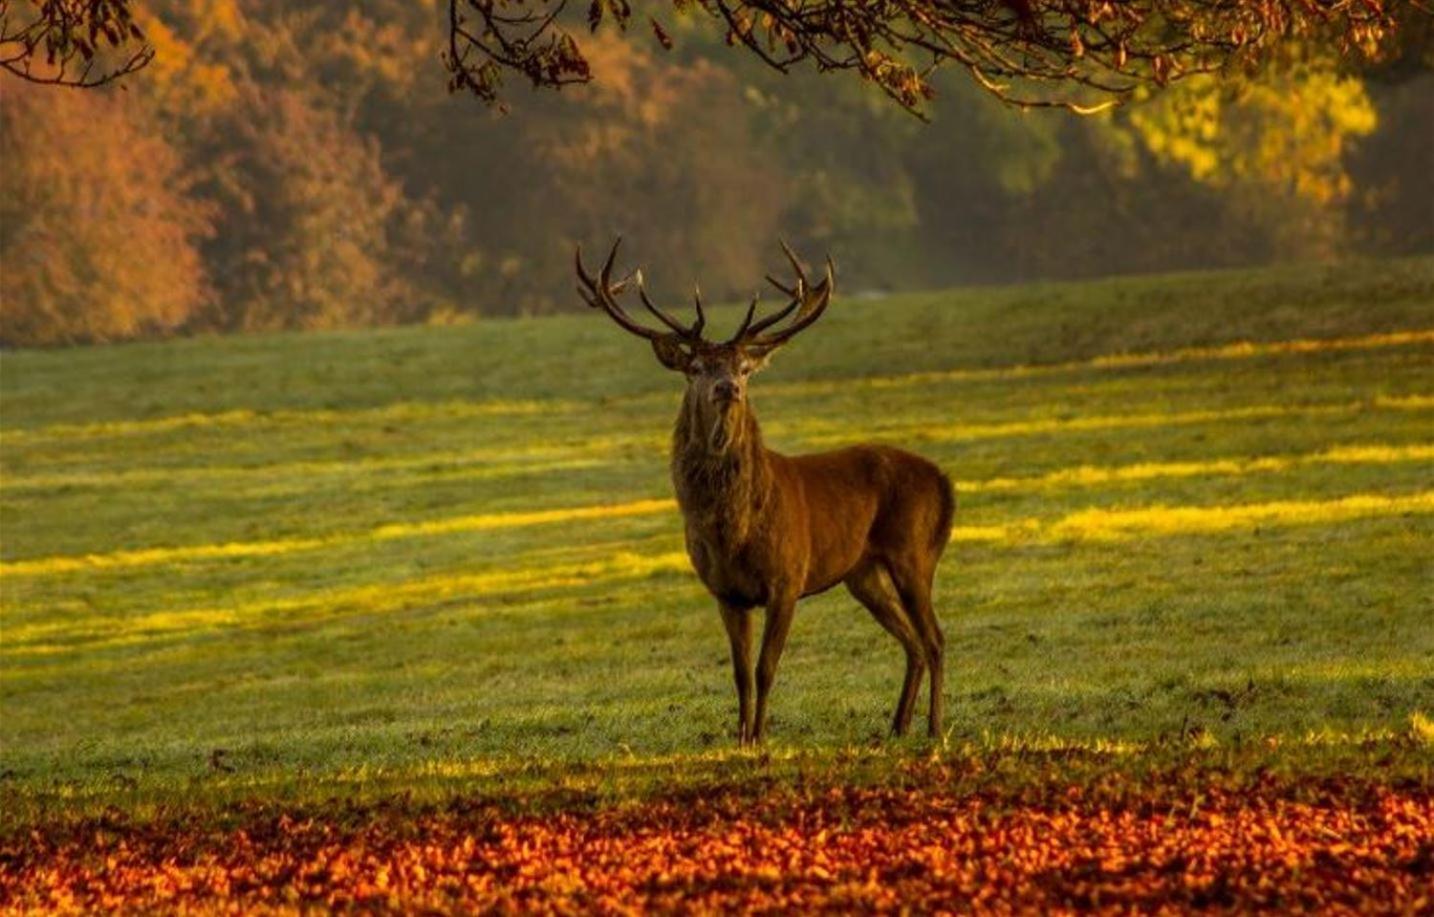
(1195, 510)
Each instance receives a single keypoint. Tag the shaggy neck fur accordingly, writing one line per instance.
(720, 470)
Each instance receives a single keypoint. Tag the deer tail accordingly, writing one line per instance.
(947, 515)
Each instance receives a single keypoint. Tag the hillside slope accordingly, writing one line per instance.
(247, 565)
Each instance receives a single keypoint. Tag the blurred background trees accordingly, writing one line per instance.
(282, 166)
(99, 233)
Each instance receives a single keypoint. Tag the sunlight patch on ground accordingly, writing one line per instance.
(1241, 350)
(298, 477)
(1096, 525)
(379, 598)
(402, 411)
(1154, 420)
(1095, 475)
(475, 523)
(1105, 525)
(1083, 476)
(420, 411)
(1120, 525)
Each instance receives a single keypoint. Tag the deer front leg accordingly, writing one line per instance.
(738, 622)
(774, 638)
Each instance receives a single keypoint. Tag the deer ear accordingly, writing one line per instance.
(670, 354)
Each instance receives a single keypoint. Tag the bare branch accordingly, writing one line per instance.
(79, 44)
(1080, 55)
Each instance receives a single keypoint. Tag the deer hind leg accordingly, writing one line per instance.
(914, 586)
(872, 586)
(738, 622)
(774, 637)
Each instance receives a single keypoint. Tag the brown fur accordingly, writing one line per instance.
(765, 529)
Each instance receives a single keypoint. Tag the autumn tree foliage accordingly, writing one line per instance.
(662, 151)
(1012, 48)
(304, 210)
(310, 176)
(98, 235)
(1009, 47)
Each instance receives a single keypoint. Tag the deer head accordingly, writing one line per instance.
(716, 372)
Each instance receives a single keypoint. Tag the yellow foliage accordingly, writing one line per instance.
(181, 76)
(1273, 146)
(1286, 131)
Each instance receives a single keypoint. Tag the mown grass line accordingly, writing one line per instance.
(1081, 476)
(475, 523)
(302, 460)
(1098, 526)
(815, 431)
(420, 411)
(1240, 350)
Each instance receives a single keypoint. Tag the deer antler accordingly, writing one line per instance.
(601, 293)
(808, 302)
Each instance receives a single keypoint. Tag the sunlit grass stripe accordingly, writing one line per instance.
(475, 523)
(922, 432)
(1240, 350)
(372, 599)
(484, 464)
(415, 411)
(515, 461)
(1096, 475)
(1090, 526)
(401, 411)
(1082, 476)
(1106, 525)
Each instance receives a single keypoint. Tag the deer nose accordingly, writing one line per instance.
(725, 390)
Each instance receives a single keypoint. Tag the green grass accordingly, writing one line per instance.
(347, 658)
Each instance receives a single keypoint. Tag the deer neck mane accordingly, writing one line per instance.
(722, 491)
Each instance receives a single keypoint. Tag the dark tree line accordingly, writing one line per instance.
(292, 166)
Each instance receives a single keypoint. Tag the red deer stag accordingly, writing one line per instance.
(766, 529)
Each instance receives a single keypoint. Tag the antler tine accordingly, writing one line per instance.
(803, 284)
(810, 306)
(747, 319)
(599, 293)
(662, 316)
(790, 291)
(701, 321)
(798, 292)
(775, 317)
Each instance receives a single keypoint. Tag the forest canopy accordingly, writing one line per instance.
(268, 170)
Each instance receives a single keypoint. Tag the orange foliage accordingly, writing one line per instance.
(97, 234)
(1299, 846)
